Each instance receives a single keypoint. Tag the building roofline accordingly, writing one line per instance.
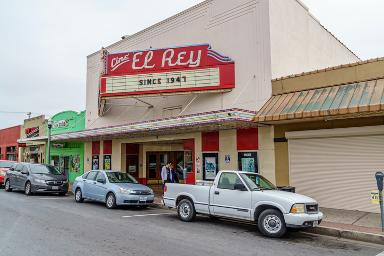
(155, 25)
(333, 35)
(352, 64)
(11, 127)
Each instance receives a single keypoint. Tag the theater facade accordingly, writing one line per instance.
(187, 89)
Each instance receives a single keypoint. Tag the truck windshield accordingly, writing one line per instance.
(120, 177)
(255, 181)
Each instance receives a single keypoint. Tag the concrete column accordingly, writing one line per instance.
(87, 156)
(142, 162)
(227, 146)
(123, 157)
(116, 155)
(198, 157)
(266, 153)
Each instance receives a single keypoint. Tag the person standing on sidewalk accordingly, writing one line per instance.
(175, 177)
(166, 175)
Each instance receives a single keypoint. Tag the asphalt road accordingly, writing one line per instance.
(43, 225)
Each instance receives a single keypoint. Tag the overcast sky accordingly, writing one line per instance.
(45, 43)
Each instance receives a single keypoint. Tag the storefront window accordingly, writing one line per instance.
(248, 162)
(210, 165)
(95, 162)
(107, 162)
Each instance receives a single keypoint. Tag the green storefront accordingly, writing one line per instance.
(68, 157)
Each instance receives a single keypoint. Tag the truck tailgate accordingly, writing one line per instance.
(198, 193)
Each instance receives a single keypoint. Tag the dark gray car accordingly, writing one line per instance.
(35, 178)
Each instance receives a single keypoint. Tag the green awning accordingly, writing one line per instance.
(352, 98)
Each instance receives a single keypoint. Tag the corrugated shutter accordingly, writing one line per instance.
(338, 172)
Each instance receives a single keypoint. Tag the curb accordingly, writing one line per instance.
(340, 233)
(348, 234)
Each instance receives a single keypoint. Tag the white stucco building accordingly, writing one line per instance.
(203, 130)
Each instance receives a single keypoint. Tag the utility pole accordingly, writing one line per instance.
(49, 140)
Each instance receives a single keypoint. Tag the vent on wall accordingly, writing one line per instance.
(233, 13)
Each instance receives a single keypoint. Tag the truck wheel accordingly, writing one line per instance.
(8, 186)
(271, 223)
(186, 210)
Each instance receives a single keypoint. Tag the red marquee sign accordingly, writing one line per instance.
(170, 70)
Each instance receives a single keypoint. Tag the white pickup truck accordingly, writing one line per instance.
(246, 196)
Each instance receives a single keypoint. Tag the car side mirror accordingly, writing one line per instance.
(103, 181)
(240, 187)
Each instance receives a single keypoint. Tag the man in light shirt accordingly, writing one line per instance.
(166, 174)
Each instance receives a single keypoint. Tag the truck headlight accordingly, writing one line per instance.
(125, 191)
(298, 208)
(40, 181)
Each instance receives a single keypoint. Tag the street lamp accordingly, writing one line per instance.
(49, 140)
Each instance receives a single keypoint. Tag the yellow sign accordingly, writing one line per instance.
(375, 197)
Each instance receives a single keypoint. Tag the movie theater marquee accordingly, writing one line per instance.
(166, 71)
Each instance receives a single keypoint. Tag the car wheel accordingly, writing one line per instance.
(271, 223)
(79, 196)
(28, 189)
(111, 201)
(186, 210)
(8, 186)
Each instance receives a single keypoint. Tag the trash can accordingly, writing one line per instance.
(287, 189)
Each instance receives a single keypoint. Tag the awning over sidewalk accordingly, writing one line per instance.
(229, 118)
(356, 98)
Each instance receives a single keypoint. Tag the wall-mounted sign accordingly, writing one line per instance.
(58, 145)
(32, 132)
(95, 162)
(60, 124)
(210, 165)
(248, 161)
(170, 70)
(227, 159)
(375, 198)
(107, 162)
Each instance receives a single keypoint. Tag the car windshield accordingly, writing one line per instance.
(5, 164)
(45, 169)
(255, 181)
(120, 177)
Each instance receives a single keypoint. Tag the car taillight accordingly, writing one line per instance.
(165, 188)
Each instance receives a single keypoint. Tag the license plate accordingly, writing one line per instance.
(55, 188)
(143, 199)
(315, 223)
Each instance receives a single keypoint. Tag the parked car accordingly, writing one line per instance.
(36, 178)
(4, 167)
(245, 196)
(113, 188)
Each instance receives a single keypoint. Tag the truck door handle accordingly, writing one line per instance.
(217, 192)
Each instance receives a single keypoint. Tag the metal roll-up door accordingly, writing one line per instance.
(337, 171)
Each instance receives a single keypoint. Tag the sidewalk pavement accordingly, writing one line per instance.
(355, 225)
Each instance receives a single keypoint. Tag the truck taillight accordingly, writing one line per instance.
(165, 188)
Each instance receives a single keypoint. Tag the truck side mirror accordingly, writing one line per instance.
(240, 186)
